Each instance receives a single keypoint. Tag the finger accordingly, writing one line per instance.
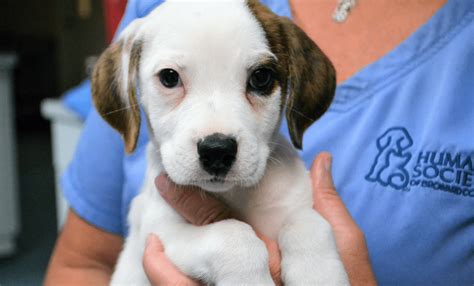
(349, 238)
(193, 204)
(328, 203)
(326, 200)
(158, 268)
(274, 257)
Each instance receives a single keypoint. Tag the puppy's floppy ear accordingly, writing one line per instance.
(312, 81)
(114, 86)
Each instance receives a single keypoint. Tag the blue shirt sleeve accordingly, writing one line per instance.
(136, 9)
(93, 182)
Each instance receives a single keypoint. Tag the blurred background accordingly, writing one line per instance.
(47, 49)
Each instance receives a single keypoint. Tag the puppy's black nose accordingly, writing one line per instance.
(217, 153)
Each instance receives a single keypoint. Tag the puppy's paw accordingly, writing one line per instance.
(239, 257)
(310, 271)
(309, 252)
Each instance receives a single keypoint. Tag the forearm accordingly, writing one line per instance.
(80, 275)
(70, 267)
(84, 255)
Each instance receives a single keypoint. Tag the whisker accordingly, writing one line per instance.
(301, 114)
(203, 194)
(275, 160)
(118, 110)
(279, 144)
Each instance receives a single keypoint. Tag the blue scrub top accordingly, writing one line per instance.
(401, 132)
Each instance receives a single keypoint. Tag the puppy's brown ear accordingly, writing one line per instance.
(310, 73)
(114, 89)
(312, 82)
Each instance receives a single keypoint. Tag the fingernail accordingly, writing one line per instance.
(162, 183)
(149, 239)
(322, 173)
(328, 163)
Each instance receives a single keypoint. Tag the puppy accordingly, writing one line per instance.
(214, 79)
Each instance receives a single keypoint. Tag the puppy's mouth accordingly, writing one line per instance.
(214, 180)
(217, 180)
(215, 184)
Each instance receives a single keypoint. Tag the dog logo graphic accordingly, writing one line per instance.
(389, 167)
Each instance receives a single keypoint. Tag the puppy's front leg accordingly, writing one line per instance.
(309, 253)
(225, 253)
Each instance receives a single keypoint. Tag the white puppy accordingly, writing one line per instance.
(214, 79)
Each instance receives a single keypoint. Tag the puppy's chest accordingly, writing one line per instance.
(263, 215)
(266, 209)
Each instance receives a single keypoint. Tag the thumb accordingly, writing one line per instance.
(326, 200)
(160, 270)
(274, 257)
(349, 238)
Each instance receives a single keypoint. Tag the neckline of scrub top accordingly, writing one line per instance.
(420, 46)
(446, 23)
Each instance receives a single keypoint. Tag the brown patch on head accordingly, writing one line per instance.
(310, 73)
(108, 89)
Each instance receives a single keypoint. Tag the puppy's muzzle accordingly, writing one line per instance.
(217, 153)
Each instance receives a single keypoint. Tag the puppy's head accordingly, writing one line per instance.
(213, 80)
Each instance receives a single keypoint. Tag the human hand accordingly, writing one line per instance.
(200, 209)
(159, 269)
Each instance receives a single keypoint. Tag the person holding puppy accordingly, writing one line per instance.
(398, 130)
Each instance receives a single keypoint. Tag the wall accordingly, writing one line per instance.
(56, 21)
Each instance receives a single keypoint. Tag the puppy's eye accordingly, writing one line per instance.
(261, 80)
(169, 78)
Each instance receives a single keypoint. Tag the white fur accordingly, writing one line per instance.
(212, 46)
